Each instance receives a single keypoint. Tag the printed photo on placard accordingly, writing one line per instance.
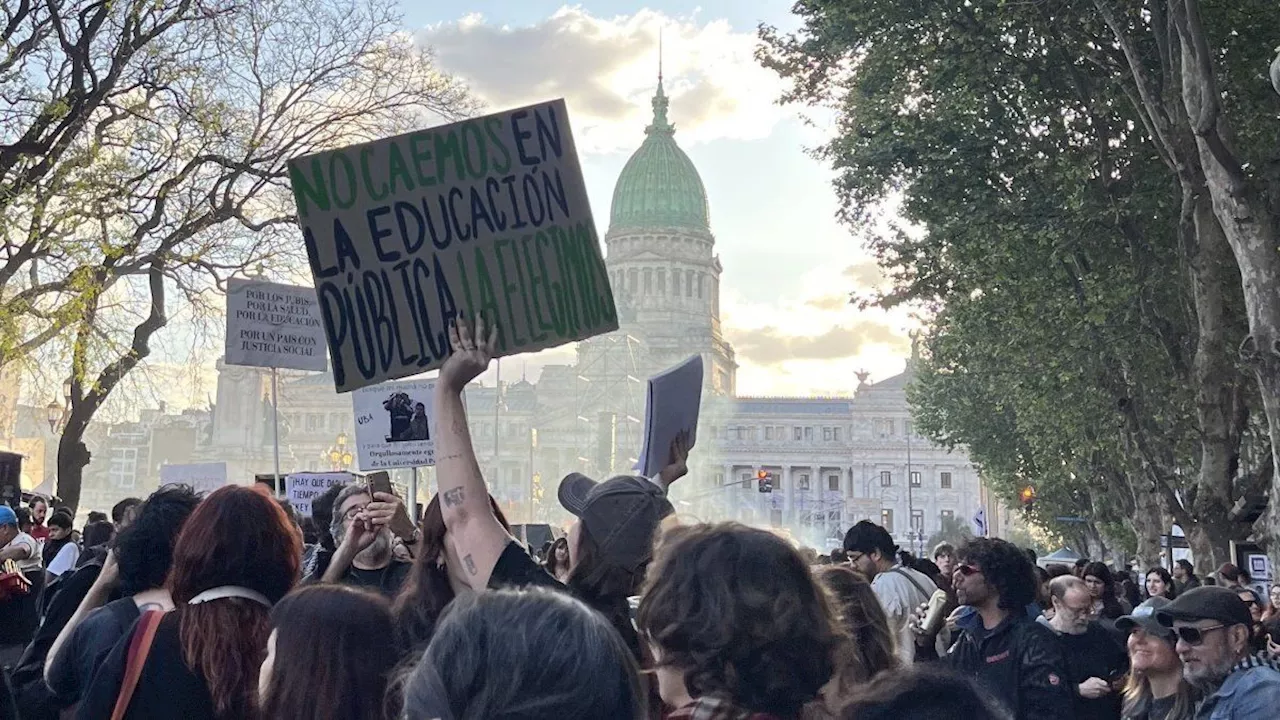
(394, 427)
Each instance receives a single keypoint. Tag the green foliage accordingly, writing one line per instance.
(1043, 233)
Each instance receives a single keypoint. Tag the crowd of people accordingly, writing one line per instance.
(230, 606)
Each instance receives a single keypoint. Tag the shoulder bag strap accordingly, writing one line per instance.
(919, 587)
(139, 648)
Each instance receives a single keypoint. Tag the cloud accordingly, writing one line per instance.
(769, 346)
(865, 274)
(606, 70)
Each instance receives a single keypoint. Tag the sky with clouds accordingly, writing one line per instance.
(789, 266)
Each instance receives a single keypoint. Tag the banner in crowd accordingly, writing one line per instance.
(394, 425)
(274, 325)
(203, 477)
(302, 488)
(488, 215)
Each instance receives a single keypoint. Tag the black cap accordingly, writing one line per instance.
(621, 513)
(1144, 616)
(1211, 602)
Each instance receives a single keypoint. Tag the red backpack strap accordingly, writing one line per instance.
(139, 648)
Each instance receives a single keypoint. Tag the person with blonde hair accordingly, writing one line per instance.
(1154, 688)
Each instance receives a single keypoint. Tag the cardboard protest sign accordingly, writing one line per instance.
(394, 425)
(202, 477)
(488, 215)
(274, 325)
(302, 488)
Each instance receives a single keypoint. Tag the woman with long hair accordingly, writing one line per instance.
(1102, 587)
(610, 545)
(1160, 584)
(1154, 688)
(737, 625)
(558, 559)
(236, 556)
(532, 654)
(871, 651)
(433, 581)
(327, 656)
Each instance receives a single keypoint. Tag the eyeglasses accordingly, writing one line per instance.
(1194, 635)
(353, 511)
(967, 570)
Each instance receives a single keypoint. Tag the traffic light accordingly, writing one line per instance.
(1028, 498)
(764, 481)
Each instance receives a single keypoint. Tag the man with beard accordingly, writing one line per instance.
(1213, 626)
(363, 528)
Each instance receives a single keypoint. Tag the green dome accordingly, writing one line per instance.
(660, 187)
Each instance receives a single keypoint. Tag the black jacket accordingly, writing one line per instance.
(1020, 663)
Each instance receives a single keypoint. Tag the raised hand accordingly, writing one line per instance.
(678, 465)
(471, 352)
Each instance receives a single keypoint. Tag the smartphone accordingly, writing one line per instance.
(379, 482)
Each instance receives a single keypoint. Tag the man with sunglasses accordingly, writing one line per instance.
(1015, 659)
(1213, 626)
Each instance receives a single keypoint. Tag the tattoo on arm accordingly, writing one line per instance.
(453, 497)
(471, 564)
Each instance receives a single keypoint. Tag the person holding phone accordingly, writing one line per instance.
(366, 518)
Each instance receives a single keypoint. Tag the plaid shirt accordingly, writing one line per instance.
(713, 708)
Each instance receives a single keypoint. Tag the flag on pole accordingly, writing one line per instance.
(979, 522)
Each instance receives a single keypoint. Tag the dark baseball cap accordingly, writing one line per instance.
(1144, 616)
(622, 514)
(1211, 602)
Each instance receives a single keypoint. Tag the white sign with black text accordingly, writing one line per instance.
(394, 427)
(274, 325)
(302, 488)
(202, 477)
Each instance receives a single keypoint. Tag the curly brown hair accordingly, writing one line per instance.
(737, 612)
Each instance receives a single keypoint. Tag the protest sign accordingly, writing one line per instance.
(274, 325)
(203, 477)
(671, 406)
(302, 488)
(488, 215)
(394, 426)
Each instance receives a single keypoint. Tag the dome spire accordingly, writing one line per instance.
(660, 122)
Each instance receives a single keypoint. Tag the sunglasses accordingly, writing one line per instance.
(967, 570)
(1194, 635)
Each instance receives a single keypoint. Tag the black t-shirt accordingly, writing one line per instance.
(1094, 653)
(166, 689)
(88, 646)
(387, 581)
(516, 569)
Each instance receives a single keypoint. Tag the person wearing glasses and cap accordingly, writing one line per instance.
(1213, 627)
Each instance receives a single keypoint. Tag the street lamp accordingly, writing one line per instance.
(338, 454)
(53, 413)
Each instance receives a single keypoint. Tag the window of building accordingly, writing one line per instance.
(803, 482)
(915, 478)
(797, 434)
(944, 480)
(124, 467)
(886, 478)
(768, 433)
(833, 482)
(917, 520)
(886, 519)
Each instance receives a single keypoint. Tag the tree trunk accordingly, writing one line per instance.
(1148, 526)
